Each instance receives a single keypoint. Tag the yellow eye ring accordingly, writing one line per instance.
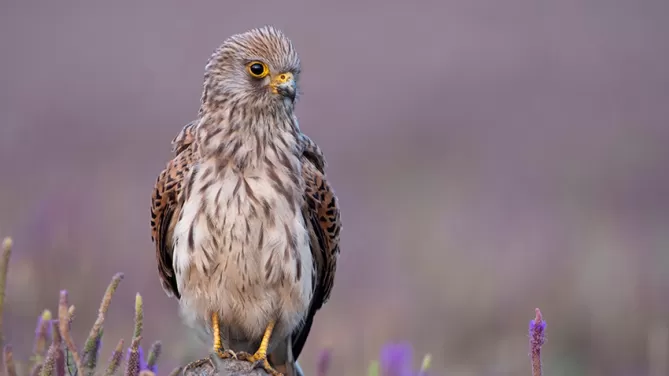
(257, 69)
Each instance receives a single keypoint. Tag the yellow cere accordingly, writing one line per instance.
(280, 79)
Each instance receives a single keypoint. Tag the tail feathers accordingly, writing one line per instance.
(283, 361)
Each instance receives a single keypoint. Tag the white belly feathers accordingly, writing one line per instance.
(242, 249)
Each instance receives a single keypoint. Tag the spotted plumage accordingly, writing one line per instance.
(245, 223)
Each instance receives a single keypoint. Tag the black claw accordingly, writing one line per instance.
(226, 354)
(244, 355)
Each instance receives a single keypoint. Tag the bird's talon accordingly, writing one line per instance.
(243, 355)
(262, 363)
(226, 354)
(256, 357)
(259, 360)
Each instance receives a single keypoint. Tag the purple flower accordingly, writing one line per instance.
(134, 360)
(396, 359)
(537, 338)
(42, 333)
(537, 330)
(142, 362)
(324, 360)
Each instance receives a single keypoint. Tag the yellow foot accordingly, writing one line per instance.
(259, 362)
(268, 368)
(218, 347)
(260, 357)
(225, 354)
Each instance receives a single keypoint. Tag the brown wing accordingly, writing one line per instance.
(324, 224)
(165, 206)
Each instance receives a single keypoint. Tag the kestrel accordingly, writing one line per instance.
(245, 223)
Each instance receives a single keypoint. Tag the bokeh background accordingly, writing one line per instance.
(490, 157)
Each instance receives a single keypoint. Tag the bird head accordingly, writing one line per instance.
(258, 68)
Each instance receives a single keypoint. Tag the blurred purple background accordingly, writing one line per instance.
(490, 157)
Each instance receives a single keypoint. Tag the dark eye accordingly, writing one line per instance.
(257, 69)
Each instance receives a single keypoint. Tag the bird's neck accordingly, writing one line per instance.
(243, 138)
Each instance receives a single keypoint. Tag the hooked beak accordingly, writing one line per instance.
(284, 85)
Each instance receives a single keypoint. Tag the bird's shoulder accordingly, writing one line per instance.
(185, 138)
(311, 152)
